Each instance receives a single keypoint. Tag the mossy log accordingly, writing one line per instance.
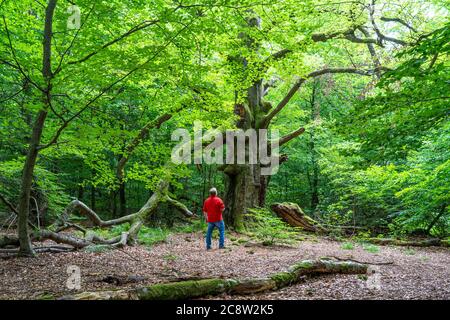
(292, 214)
(8, 240)
(434, 242)
(212, 287)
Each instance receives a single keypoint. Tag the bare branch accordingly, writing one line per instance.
(8, 204)
(347, 34)
(373, 53)
(91, 215)
(133, 30)
(381, 36)
(399, 21)
(279, 55)
(299, 83)
(17, 64)
(181, 207)
(58, 69)
(290, 136)
(155, 123)
(107, 89)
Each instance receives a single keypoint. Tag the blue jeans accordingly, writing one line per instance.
(221, 226)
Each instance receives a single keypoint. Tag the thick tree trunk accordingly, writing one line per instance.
(242, 182)
(211, 287)
(241, 193)
(245, 187)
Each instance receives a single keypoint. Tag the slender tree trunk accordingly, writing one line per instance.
(314, 179)
(264, 180)
(27, 178)
(112, 203)
(80, 193)
(436, 219)
(93, 202)
(122, 199)
(26, 248)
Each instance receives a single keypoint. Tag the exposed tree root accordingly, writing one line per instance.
(210, 287)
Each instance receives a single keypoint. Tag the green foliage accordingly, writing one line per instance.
(194, 226)
(150, 236)
(268, 228)
(170, 257)
(371, 248)
(99, 248)
(147, 235)
(47, 189)
(375, 152)
(410, 252)
(348, 246)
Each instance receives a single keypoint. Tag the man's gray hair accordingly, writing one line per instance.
(213, 191)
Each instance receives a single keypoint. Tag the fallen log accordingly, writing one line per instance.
(293, 215)
(43, 249)
(9, 240)
(210, 287)
(119, 280)
(434, 242)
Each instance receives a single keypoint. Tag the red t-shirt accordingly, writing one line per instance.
(213, 206)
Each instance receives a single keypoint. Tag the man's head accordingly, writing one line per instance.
(213, 192)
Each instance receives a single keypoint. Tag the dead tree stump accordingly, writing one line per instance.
(293, 215)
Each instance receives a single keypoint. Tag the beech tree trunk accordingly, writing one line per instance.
(314, 177)
(244, 186)
(241, 193)
(122, 199)
(26, 248)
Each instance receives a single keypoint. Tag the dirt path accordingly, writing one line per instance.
(418, 273)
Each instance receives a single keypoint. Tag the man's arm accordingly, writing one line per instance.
(205, 214)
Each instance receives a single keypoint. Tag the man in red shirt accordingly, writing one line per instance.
(212, 210)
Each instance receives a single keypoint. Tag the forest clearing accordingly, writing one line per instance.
(314, 135)
(405, 273)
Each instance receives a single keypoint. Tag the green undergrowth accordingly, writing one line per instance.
(148, 235)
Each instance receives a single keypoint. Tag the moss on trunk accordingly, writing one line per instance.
(210, 287)
(185, 289)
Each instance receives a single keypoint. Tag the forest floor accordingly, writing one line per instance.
(416, 273)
